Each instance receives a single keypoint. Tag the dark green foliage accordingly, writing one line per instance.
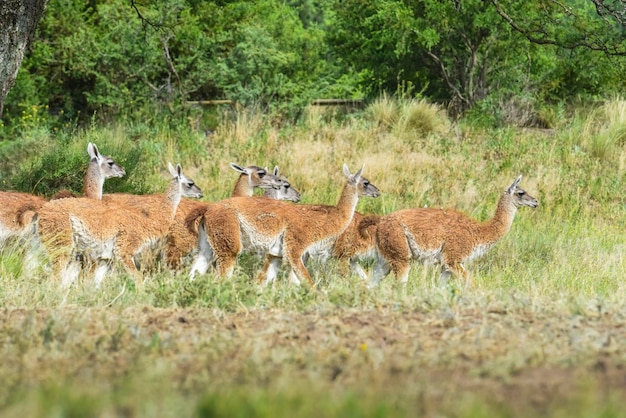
(146, 60)
(462, 52)
(103, 58)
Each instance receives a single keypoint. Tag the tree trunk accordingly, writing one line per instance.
(18, 20)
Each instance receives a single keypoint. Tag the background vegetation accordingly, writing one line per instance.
(512, 60)
(460, 98)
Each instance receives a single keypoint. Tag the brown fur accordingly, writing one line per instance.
(64, 194)
(182, 241)
(357, 240)
(126, 221)
(444, 236)
(16, 211)
(265, 223)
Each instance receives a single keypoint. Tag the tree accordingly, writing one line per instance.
(114, 57)
(463, 51)
(18, 20)
(447, 49)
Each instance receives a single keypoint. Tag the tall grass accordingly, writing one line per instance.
(170, 347)
(578, 221)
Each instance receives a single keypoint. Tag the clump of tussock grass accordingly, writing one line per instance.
(603, 130)
(384, 112)
(419, 117)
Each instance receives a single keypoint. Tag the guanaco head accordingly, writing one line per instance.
(284, 192)
(188, 187)
(257, 176)
(365, 188)
(107, 167)
(519, 196)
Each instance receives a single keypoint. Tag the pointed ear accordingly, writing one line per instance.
(179, 170)
(92, 150)
(358, 173)
(514, 184)
(276, 170)
(172, 170)
(346, 172)
(239, 168)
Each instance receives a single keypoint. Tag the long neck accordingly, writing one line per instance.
(173, 197)
(347, 202)
(93, 182)
(243, 187)
(495, 228)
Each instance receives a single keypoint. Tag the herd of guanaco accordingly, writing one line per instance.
(96, 232)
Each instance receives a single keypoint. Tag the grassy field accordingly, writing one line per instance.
(542, 332)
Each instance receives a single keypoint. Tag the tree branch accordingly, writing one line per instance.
(586, 40)
(144, 20)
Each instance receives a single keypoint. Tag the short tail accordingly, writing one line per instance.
(195, 218)
(366, 224)
(26, 214)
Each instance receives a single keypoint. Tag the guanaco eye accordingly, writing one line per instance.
(111, 163)
(190, 184)
(287, 186)
(261, 174)
(366, 183)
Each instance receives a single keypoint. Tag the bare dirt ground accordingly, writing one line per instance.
(522, 359)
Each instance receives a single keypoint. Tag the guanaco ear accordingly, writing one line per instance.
(92, 150)
(172, 170)
(358, 173)
(514, 184)
(346, 172)
(239, 168)
(179, 171)
(354, 177)
(276, 170)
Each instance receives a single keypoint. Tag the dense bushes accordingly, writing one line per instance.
(142, 59)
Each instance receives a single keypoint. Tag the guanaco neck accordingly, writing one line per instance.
(243, 187)
(495, 228)
(93, 182)
(173, 197)
(347, 203)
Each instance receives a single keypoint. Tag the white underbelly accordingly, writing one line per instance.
(424, 255)
(254, 241)
(322, 250)
(479, 251)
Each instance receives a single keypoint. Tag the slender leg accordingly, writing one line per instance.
(70, 273)
(295, 258)
(293, 278)
(401, 271)
(381, 270)
(270, 270)
(457, 270)
(225, 243)
(131, 268)
(205, 255)
(444, 277)
(273, 260)
(356, 267)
